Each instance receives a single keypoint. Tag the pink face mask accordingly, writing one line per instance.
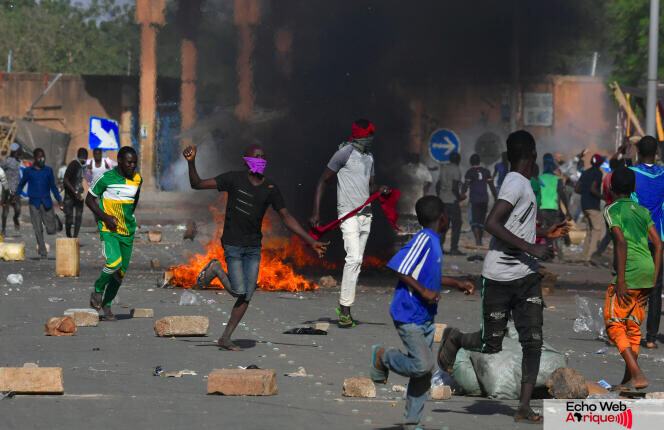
(256, 165)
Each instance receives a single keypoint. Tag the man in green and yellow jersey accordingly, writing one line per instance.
(113, 198)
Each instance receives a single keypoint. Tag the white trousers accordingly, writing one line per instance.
(355, 231)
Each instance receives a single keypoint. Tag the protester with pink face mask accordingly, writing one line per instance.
(249, 195)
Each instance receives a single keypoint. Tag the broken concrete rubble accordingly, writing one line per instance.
(32, 380)
(182, 326)
(60, 326)
(83, 317)
(242, 382)
(566, 383)
(142, 313)
(359, 387)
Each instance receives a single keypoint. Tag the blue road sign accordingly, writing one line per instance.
(442, 143)
(104, 134)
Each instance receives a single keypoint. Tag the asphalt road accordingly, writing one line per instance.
(108, 370)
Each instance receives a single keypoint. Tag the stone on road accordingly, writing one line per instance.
(359, 387)
(182, 326)
(242, 382)
(32, 380)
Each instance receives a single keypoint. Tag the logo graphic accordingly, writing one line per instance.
(625, 419)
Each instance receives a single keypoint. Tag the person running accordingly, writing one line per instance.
(12, 167)
(500, 170)
(97, 166)
(449, 183)
(650, 194)
(511, 283)
(113, 198)
(250, 194)
(589, 186)
(73, 184)
(637, 271)
(553, 198)
(41, 183)
(477, 178)
(418, 266)
(353, 166)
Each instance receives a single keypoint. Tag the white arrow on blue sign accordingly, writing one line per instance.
(442, 144)
(104, 134)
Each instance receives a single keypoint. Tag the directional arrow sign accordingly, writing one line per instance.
(442, 143)
(104, 134)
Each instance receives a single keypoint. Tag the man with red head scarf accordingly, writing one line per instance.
(353, 165)
(589, 186)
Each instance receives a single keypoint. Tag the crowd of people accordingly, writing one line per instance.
(529, 221)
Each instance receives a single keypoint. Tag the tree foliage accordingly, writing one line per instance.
(627, 31)
(58, 36)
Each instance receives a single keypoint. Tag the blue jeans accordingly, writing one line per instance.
(243, 263)
(417, 364)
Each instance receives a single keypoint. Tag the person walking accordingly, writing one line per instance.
(73, 184)
(9, 199)
(589, 186)
(448, 190)
(553, 198)
(353, 166)
(41, 183)
(477, 179)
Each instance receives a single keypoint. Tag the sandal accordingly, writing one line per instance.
(651, 345)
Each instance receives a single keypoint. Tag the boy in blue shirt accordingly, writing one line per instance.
(418, 266)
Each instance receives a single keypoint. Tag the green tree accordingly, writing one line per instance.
(627, 31)
(55, 36)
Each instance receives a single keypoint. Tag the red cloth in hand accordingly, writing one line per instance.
(388, 203)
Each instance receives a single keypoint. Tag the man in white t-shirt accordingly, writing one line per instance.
(511, 283)
(353, 165)
(97, 166)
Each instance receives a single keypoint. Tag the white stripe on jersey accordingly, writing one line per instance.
(416, 242)
(413, 254)
(418, 269)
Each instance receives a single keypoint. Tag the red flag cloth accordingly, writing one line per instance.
(388, 203)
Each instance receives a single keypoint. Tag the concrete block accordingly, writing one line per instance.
(154, 236)
(32, 380)
(67, 257)
(242, 382)
(182, 326)
(438, 334)
(440, 392)
(154, 263)
(142, 313)
(325, 326)
(566, 383)
(12, 251)
(359, 387)
(60, 326)
(656, 395)
(83, 317)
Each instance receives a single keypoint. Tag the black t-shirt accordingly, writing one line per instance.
(245, 207)
(588, 199)
(74, 175)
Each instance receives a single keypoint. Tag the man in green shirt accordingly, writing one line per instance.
(113, 197)
(551, 196)
(636, 273)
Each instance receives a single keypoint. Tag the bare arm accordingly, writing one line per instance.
(654, 238)
(320, 190)
(92, 203)
(294, 226)
(428, 295)
(194, 180)
(620, 288)
(466, 286)
(495, 225)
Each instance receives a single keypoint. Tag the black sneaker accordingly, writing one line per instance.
(108, 315)
(96, 299)
(345, 319)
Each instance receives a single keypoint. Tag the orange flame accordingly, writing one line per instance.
(279, 256)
